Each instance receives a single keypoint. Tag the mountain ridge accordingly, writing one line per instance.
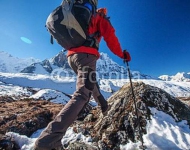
(179, 77)
(106, 68)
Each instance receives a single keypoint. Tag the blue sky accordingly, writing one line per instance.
(155, 32)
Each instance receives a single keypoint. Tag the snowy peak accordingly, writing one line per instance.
(43, 67)
(8, 63)
(59, 62)
(182, 77)
(165, 77)
(179, 77)
(107, 68)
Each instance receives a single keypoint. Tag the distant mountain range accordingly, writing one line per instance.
(106, 67)
(179, 77)
(8, 63)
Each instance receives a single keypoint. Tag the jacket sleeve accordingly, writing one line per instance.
(108, 33)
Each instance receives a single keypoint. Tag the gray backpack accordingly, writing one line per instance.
(69, 23)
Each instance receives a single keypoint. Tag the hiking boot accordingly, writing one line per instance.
(59, 148)
(84, 112)
(105, 110)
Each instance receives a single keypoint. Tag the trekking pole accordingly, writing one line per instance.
(134, 99)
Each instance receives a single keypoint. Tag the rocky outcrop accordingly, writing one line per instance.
(120, 124)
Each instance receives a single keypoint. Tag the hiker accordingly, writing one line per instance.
(82, 60)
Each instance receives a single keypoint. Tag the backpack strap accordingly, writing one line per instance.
(51, 39)
(92, 41)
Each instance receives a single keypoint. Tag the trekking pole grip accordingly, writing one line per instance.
(126, 56)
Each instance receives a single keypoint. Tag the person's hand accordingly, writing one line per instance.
(126, 56)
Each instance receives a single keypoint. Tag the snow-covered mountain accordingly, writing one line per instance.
(8, 63)
(179, 77)
(106, 68)
(49, 65)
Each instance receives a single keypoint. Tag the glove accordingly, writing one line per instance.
(126, 56)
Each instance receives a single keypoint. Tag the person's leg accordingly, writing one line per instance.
(99, 98)
(51, 137)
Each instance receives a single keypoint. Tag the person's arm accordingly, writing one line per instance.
(108, 32)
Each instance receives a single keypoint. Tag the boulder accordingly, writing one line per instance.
(121, 124)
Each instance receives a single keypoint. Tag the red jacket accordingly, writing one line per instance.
(100, 23)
